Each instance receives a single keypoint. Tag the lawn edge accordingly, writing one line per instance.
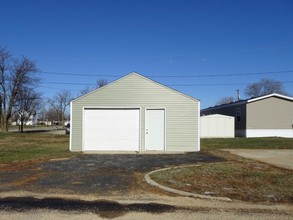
(180, 192)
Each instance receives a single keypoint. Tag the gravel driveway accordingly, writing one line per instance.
(90, 174)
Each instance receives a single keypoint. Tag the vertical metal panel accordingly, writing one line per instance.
(217, 126)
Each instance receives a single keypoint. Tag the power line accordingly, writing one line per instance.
(70, 83)
(170, 76)
(219, 84)
(49, 87)
(197, 84)
(223, 75)
(78, 74)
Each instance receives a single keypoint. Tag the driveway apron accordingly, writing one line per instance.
(281, 157)
(91, 174)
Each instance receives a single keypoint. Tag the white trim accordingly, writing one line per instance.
(217, 116)
(198, 128)
(288, 133)
(165, 128)
(108, 107)
(70, 132)
(270, 95)
(244, 102)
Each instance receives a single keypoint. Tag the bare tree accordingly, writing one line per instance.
(226, 100)
(60, 103)
(88, 89)
(51, 115)
(28, 102)
(101, 83)
(265, 87)
(15, 74)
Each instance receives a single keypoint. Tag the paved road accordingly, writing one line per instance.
(90, 174)
(280, 158)
(157, 207)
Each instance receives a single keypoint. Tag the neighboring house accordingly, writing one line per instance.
(265, 116)
(135, 113)
(46, 122)
(31, 121)
(217, 126)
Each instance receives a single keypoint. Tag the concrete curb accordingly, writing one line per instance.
(179, 192)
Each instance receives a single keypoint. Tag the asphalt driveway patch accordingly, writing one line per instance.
(93, 174)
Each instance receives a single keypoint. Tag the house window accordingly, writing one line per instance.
(238, 114)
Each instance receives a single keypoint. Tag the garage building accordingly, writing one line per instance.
(135, 113)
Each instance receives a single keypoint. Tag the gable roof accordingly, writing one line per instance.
(241, 102)
(216, 116)
(269, 96)
(141, 76)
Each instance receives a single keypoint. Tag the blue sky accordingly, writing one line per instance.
(207, 46)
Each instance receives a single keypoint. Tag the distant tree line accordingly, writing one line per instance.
(19, 98)
(261, 88)
(18, 81)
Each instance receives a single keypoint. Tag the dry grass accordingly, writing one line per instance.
(237, 178)
(16, 147)
(246, 143)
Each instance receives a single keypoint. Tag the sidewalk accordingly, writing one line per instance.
(280, 158)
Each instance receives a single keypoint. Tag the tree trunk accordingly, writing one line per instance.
(21, 124)
(4, 124)
(21, 127)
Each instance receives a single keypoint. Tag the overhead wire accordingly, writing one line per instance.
(164, 76)
(170, 76)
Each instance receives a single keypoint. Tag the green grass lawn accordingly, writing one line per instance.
(246, 143)
(16, 147)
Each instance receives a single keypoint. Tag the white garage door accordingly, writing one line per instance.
(111, 130)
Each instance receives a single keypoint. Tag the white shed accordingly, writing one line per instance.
(217, 126)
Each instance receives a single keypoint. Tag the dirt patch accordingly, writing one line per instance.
(8, 167)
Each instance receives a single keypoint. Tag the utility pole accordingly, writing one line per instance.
(238, 94)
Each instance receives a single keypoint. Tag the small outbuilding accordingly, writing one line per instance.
(135, 113)
(217, 126)
(265, 116)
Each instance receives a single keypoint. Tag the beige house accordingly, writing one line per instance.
(135, 113)
(265, 116)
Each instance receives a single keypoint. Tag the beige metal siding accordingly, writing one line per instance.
(137, 91)
(270, 113)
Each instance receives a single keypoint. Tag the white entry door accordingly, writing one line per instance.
(155, 129)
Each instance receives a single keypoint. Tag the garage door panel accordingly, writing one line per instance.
(111, 129)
